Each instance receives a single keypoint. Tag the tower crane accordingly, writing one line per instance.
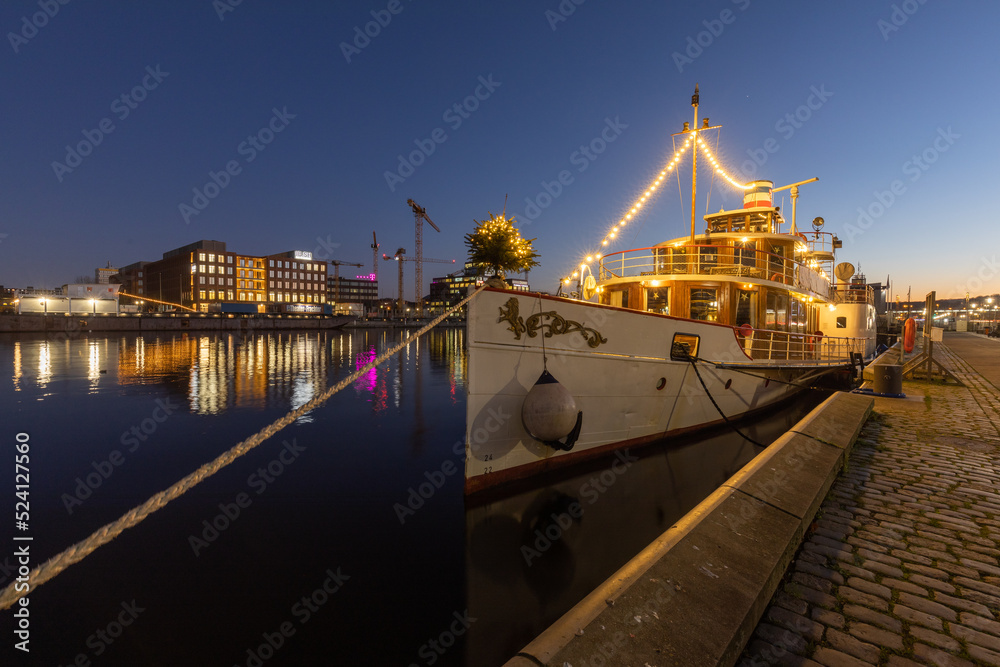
(419, 215)
(336, 272)
(375, 260)
(401, 257)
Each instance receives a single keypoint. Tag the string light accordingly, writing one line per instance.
(651, 190)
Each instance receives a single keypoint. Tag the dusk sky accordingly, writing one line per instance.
(116, 113)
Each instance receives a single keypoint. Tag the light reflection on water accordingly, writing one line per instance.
(364, 452)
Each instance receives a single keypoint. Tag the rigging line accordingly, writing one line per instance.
(712, 187)
(760, 377)
(694, 365)
(77, 552)
(545, 359)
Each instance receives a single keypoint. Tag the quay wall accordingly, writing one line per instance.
(76, 324)
(695, 595)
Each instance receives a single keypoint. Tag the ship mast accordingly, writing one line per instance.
(694, 155)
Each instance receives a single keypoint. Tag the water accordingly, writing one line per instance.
(330, 501)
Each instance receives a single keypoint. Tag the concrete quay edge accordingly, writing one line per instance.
(695, 595)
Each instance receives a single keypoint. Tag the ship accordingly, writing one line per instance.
(690, 334)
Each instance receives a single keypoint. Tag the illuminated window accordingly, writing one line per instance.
(658, 300)
(201, 294)
(230, 292)
(211, 294)
(704, 304)
(211, 268)
(201, 268)
(201, 257)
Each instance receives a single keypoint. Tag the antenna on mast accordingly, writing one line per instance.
(694, 155)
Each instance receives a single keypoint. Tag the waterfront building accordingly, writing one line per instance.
(77, 299)
(295, 277)
(352, 295)
(195, 275)
(102, 276)
(251, 283)
(448, 290)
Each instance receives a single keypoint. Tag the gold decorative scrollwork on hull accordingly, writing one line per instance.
(556, 325)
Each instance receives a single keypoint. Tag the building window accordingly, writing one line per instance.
(201, 268)
(230, 270)
(211, 280)
(211, 268)
(229, 259)
(230, 294)
(201, 280)
(211, 295)
(201, 294)
(201, 257)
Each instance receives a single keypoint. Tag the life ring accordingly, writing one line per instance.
(909, 334)
(803, 237)
(777, 278)
(745, 330)
(814, 339)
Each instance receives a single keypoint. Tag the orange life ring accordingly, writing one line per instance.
(777, 278)
(815, 338)
(803, 237)
(909, 334)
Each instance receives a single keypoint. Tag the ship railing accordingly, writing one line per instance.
(765, 344)
(853, 293)
(742, 261)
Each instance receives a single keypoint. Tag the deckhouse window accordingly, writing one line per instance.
(777, 312)
(705, 304)
(658, 300)
(746, 253)
(746, 308)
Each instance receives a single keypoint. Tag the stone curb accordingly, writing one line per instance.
(695, 595)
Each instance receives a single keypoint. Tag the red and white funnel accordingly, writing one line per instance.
(758, 194)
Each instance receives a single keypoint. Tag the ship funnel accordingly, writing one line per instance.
(758, 194)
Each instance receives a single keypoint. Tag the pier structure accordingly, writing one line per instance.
(901, 566)
(869, 534)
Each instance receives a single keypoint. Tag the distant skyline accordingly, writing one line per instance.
(132, 129)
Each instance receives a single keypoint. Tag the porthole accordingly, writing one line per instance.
(661, 384)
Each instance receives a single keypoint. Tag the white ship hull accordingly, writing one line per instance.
(617, 365)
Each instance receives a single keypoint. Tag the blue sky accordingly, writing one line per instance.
(330, 114)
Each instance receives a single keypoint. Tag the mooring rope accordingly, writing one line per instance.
(74, 554)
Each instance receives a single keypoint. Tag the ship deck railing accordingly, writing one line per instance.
(770, 345)
(669, 262)
(853, 293)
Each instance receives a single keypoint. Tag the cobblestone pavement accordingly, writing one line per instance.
(901, 565)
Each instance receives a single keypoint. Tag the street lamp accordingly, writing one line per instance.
(93, 305)
(45, 306)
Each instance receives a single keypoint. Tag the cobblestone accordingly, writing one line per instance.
(901, 567)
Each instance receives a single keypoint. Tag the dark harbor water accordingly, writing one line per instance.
(315, 548)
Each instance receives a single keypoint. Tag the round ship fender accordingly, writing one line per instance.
(549, 413)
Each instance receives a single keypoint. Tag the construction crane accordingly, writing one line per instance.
(336, 273)
(419, 215)
(401, 257)
(375, 261)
